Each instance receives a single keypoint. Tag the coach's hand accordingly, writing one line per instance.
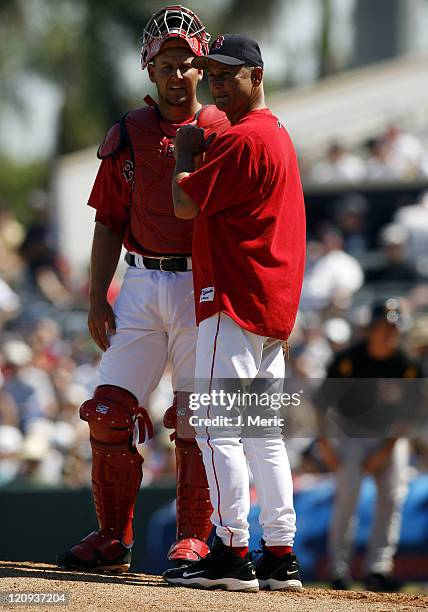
(101, 322)
(191, 140)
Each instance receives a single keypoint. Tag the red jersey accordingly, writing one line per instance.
(132, 191)
(249, 237)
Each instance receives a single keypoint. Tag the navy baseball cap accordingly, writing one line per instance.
(389, 311)
(232, 49)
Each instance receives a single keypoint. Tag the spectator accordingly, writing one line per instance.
(378, 166)
(39, 252)
(310, 357)
(11, 237)
(393, 267)
(10, 303)
(338, 332)
(334, 278)
(16, 356)
(351, 219)
(405, 152)
(417, 341)
(339, 166)
(8, 408)
(11, 440)
(414, 219)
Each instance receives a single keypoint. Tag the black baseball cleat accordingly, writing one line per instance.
(339, 582)
(382, 583)
(278, 573)
(220, 569)
(97, 552)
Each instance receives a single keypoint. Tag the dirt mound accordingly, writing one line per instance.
(142, 592)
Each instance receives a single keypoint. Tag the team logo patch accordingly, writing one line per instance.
(128, 170)
(101, 408)
(218, 43)
(167, 147)
(207, 295)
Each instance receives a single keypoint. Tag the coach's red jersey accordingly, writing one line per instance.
(249, 237)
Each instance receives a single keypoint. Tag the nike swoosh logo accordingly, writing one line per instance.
(187, 575)
(292, 573)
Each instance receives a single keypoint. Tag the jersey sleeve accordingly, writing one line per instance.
(116, 225)
(226, 176)
(112, 190)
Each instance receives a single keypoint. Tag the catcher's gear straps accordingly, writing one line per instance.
(97, 551)
(188, 549)
(118, 139)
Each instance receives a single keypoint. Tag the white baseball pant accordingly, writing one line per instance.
(391, 484)
(155, 322)
(226, 351)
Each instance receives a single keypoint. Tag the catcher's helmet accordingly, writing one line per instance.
(173, 22)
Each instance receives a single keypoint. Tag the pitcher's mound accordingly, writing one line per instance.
(138, 592)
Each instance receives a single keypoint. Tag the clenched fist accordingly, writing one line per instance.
(191, 139)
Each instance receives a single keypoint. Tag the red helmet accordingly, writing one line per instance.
(173, 22)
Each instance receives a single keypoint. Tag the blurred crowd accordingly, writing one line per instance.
(392, 155)
(48, 361)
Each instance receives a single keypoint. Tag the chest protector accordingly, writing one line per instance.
(145, 143)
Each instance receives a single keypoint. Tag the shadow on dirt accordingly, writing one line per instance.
(23, 569)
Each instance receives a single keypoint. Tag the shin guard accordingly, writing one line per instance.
(116, 464)
(193, 500)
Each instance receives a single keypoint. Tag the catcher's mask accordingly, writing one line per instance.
(173, 22)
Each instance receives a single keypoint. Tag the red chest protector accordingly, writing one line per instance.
(146, 144)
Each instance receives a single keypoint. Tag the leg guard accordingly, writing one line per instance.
(192, 499)
(116, 479)
(193, 504)
(116, 465)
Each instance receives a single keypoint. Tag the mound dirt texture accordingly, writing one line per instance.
(102, 592)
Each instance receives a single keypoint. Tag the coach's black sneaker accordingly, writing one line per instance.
(278, 573)
(382, 583)
(220, 569)
(97, 552)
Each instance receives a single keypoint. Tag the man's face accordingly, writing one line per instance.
(384, 337)
(230, 86)
(172, 72)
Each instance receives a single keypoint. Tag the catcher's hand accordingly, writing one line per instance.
(101, 322)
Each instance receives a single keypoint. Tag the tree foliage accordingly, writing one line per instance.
(73, 44)
(78, 44)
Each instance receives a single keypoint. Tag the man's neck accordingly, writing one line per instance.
(253, 105)
(177, 114)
